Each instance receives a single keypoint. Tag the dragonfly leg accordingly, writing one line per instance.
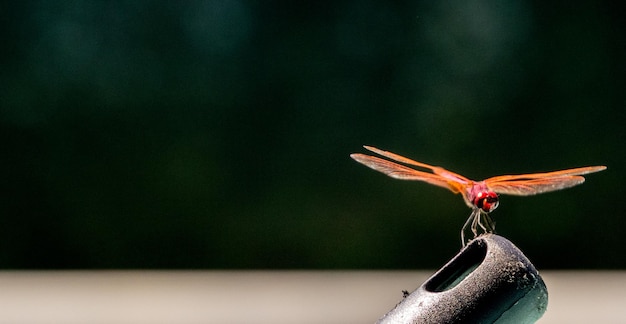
(469, 223)
(477, 219)
(489, 226)
(476, 222)
(480, 222)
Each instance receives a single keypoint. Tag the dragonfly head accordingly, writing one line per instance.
(487, 201)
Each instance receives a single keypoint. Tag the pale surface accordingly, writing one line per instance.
(265, 296)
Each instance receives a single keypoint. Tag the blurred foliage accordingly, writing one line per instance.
(216, 134)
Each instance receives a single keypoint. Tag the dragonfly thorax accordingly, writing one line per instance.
(487, 201)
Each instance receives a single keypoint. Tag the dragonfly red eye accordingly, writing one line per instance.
(487, 201)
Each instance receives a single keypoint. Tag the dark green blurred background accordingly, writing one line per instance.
(216, 134)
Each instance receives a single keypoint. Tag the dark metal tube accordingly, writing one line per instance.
(489, 281)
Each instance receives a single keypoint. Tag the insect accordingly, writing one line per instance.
(481, 196)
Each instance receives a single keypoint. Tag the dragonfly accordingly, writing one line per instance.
(480, 196)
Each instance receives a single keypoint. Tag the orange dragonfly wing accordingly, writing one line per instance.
(402, 172)
(536, 183)
(435, 169)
